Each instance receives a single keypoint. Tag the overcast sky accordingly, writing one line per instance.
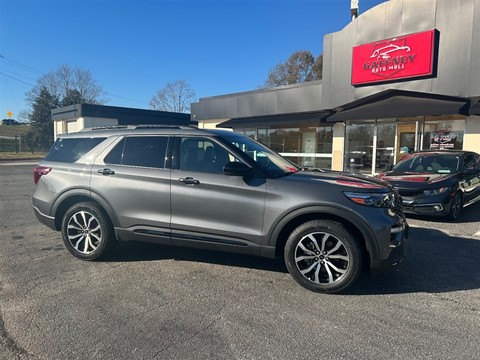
(134, 47)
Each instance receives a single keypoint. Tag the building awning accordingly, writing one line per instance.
(399, 103)
(313, 118)
(475, 108)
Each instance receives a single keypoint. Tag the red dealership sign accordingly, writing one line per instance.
(401, 57)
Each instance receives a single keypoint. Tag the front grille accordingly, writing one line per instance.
(398, 203)
(409, 193)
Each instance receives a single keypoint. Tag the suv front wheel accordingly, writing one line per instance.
(323, 256)
(86, 231)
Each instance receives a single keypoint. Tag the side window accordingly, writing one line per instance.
(144, 151)
(70, 150)
(477, 162)
(203, 155)
(468, 161)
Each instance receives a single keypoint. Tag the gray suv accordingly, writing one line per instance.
(216, 190)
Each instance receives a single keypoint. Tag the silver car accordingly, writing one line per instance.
(216, 190)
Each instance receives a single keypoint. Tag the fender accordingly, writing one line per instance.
(344, 213)
(85, 192)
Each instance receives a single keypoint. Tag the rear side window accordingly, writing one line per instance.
(70, 150)
(144, 151)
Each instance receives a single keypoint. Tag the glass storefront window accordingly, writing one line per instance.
(443, 135)
(305, 146)
(358, 148)
(385, 152)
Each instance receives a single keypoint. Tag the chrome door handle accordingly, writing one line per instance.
(189, 181)
(106, 171)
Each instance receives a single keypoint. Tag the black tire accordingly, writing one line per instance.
(456, 206)
(322, 256)
(87, 232)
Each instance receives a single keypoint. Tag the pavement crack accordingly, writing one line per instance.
(9, 342)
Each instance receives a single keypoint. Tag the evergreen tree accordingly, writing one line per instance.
(40, 135)
(73, 97)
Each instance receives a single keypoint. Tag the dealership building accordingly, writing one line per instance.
(403, 76)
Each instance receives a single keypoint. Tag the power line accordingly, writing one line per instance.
(14, 78)
(125, 98)
(16, 63)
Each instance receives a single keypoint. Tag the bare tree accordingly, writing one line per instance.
(62, 81)
(176, 97)
(300, 67)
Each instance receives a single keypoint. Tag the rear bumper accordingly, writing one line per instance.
(45, 219)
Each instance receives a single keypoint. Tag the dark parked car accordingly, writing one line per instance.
(437, 183)
(216, 190)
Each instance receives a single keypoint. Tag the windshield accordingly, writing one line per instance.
(265, 158)
(432, 163)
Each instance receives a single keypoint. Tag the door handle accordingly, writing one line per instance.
(189, 181)
(106, 171)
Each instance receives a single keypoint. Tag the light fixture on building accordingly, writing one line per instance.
(354, 9)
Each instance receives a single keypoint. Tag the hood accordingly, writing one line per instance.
(351, 180)
(414, 180)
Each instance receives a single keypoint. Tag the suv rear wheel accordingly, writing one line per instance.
(86, 231)
(323, 256)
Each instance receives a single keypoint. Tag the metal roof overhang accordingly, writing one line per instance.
(399, 103)
(314, 118)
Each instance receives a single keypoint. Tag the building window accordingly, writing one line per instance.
(305, 146)
(443, 135)
(359, 148)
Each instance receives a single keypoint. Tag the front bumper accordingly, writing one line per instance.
(427, 206)
(396, 251)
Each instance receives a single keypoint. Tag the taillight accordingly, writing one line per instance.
(39, 171)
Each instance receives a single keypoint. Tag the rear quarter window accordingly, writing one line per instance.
(70, 150)
(142, 151)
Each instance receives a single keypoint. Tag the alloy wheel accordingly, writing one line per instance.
(322, 258)
(84, 232)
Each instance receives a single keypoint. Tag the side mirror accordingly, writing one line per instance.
(388, 167)
(235, 168)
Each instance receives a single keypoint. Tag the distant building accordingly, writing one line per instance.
(76, 117)
(9, 122)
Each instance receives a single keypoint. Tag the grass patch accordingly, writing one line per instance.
(11, 155)
(12, 130)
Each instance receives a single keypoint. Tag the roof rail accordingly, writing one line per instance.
(159, 126)
(142, 126)
(106, 127)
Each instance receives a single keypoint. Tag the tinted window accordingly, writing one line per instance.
(145, 151)
(201, 154)
(268, 160)
(420, 163)
(469, 161)
(70, 150)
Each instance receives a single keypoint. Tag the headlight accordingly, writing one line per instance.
(432, 192)
(385, 200)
